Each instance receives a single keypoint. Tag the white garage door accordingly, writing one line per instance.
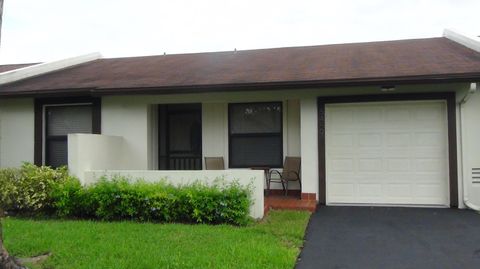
(387, 153)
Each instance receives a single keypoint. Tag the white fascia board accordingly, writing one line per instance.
(44, 68)
(471, 42)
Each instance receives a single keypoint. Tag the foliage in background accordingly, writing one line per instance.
(119, 199)
(28, 189)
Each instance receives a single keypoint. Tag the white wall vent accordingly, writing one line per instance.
(476, 175)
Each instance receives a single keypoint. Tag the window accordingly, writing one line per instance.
(255, 135)
(55, 118)
(61, 120)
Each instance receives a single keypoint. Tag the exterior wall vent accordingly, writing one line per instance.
(476, 175)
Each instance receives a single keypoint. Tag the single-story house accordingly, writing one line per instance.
(376, 123)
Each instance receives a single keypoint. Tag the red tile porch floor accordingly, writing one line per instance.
(277, 200)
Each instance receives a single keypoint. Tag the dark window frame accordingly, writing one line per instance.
(272, 134)
(40, 137)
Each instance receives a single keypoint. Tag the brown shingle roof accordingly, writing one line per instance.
(428, 60)
(9, 67)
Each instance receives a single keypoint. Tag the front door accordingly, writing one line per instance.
(180, 137)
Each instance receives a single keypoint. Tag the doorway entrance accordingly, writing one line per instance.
(180, 137)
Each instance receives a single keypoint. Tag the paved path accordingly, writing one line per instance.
(383, 237)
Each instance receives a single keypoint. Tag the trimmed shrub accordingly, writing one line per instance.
(33, 189)
(118, 199)
(67, 199)
(28, 189)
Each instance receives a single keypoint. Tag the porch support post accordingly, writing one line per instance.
(309, 147)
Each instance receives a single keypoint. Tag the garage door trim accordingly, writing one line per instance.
(449, 97)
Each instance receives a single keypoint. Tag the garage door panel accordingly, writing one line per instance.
(370, 190)
(370, 115)
(425, 190)
(367, 153)
(398, 190)
(397, 178)
(396, 153)
(428, 139)
(397, 139)
(397, 115)
(387, 153)
(430, 177)
(370, 164)
(369, 140)
(398, 165)
(342, 165)
(343, 189)
(429, 165)
(425, 152)
(432, 112)
(342, 117)
(342, 140)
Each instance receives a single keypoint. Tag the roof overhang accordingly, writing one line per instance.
(283, 85)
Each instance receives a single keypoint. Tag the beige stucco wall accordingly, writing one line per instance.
(16, 131)
(309, 144)
(470, 148)
(129, 120)
(133, 118)
(215, 130)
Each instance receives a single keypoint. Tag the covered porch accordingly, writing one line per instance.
(176, 133)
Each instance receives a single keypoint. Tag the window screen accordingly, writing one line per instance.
(61, 121)
(255, 135)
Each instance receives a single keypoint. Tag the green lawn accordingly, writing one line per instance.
(272, 243)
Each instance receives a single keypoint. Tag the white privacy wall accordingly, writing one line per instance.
(92, 152)
(16, 131)
(253, 178)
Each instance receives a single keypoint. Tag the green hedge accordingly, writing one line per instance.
(117, 199)
(28, 189)
(43, 190)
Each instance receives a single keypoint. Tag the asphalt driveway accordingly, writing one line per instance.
(386, 237)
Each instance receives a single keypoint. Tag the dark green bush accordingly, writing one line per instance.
(67, 199)
(33, 189)
(117, 199)
(28, 189)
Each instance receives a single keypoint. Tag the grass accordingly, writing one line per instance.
(271, 243)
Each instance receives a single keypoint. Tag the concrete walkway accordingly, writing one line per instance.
(386, 237)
